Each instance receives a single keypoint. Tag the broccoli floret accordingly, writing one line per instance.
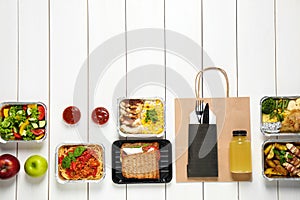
(268, 105)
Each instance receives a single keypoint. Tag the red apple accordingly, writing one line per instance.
(9, 166)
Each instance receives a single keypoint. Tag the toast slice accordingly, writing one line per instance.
(143, 165)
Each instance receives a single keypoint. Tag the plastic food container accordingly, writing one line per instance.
(23, 122)
(79, 163)
(280, 158)
(141, 117)
(280, 116)
(164, 163)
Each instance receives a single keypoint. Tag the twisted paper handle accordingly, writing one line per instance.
(200, 74)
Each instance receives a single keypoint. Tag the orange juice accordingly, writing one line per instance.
(240, 153)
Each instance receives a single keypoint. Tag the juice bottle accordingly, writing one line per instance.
(240, 153)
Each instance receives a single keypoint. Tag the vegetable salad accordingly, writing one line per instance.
(22, 122)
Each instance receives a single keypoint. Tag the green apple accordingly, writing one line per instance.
(36, 166)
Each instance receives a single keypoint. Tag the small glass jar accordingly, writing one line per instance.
(71, 115)
(240, 153)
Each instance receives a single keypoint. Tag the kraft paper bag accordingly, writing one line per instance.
(232, 113)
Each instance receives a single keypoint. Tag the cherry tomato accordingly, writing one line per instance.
(146, 149)
(41, 110)
(17, 136)
(73, 165)
(94, 173)
(38, 132)
(60, 159)
(100, 115)
(71, 115)
(24, 107)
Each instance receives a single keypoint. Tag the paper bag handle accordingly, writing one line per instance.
(200, 74)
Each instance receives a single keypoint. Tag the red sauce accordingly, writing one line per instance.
(71, 115)
(100, 115)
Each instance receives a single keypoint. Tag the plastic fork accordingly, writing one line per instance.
(199, 109)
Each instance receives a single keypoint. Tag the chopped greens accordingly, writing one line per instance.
(268, 105)
(282, 155)
(151, 115)
(66, 162)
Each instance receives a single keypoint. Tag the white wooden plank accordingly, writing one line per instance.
(219, 46)
(219, 49)
(288, 30)
(68, 84)
(9, 49)
(33, 83)
(9, 71)
(183, 60)
(145, 68)
(256, 78)
(107, 71)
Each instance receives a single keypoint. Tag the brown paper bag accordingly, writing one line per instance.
(232, 113)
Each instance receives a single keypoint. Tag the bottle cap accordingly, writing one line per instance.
(239, 133)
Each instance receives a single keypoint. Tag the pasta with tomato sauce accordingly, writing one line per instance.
(80, 162)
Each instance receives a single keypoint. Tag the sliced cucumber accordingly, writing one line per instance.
(20, 112)
(15, 129)
(42, 123)
(24, 133)
(34, 125)
(32, 119)
(29, 111)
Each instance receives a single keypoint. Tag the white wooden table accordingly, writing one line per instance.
(88, 52)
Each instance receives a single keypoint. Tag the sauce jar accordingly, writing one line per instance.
(240, 152)
(71, 115)
(100, 115)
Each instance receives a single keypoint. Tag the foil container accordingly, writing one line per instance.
(60, 172)
(279, 162)
(280, 116)
(21, 132)
(141, 117)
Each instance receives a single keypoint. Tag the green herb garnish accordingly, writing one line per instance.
(289, 156)
(66, 162)
(78, 151)
(151, 115)
(282, 156)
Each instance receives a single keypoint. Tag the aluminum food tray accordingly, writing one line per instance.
(277, 178)
(63, 181)
(4, 104)
(272, 129)
(141, 135)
